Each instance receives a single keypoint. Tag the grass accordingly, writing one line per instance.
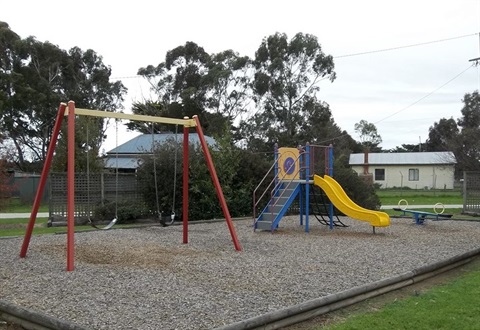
(420, 197)
(16, 227)
(15, 205)
(423, 197)
(455, 305)
(455, 212)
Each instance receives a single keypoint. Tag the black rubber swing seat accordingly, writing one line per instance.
(107, 227)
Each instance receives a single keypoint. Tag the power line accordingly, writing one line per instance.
(425, 96)
(385, 50)
(406, 46)
(357, 54)
(407, 107)
(126, 77)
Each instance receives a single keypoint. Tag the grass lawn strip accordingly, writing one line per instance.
(455, 305)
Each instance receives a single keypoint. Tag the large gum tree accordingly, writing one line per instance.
(35, 77)
(285, 87)
(190, 82)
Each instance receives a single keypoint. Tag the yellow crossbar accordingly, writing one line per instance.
(106, 114)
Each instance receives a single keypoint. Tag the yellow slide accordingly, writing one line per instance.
(344, 204)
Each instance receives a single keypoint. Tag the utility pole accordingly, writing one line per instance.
(475, 60)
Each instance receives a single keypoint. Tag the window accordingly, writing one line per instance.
(379, 174)
(413, 174)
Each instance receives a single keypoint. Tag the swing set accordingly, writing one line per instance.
(164, 221)
(70, 111)
(115, 218)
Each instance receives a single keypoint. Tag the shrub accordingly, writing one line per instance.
(6, 187)
(127, 212)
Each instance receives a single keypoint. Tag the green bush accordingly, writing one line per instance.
(238, 171)
(127, 212)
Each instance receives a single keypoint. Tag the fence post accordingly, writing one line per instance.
(102, 189)
(464, 191)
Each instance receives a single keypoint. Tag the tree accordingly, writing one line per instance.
(442, 136)
(409, 148)
(460, 137)
(192, 82)
(368, 134)
(468, 146)
(12, 55)
(228, 82)
(6, 187)
(39, 76)
(286, 80)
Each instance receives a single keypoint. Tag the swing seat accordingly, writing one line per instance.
(110, 225)
(166, 220)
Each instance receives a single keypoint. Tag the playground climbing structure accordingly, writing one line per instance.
(293, 176)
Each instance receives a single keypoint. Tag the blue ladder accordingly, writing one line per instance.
(278, 205)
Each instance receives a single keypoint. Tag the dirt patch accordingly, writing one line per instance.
(374, 304)
(142, 255)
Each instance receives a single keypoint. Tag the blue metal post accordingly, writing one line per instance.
(275, 171)
(330, 173)
(275, 153)
(301, 160)
(307, 186)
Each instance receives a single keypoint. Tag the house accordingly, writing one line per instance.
(127, 157)
(416, 170)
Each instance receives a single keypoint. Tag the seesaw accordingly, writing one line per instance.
(421, 216)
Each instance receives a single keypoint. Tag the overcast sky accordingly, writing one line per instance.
(400, 90)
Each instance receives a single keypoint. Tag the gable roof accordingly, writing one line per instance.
(405, 158)
(142, 144)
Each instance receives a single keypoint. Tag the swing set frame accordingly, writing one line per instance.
(70, 111)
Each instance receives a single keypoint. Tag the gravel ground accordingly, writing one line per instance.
(145, 278)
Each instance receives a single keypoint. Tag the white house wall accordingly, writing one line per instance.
(429, 177)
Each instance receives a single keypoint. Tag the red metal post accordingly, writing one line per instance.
(71, 186)
(43, 179)
(217, 185)
(185, 184)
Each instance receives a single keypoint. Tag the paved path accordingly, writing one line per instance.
(22, 215)
(383, 207)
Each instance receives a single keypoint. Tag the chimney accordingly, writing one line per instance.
(365, 161)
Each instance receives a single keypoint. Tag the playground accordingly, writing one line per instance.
(146, 278)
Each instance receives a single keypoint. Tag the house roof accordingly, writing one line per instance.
(405, 158)
(142, 144)
(127, 155)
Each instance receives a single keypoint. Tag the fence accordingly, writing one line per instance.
(24, 187)
(90, 191)
(471, 192)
